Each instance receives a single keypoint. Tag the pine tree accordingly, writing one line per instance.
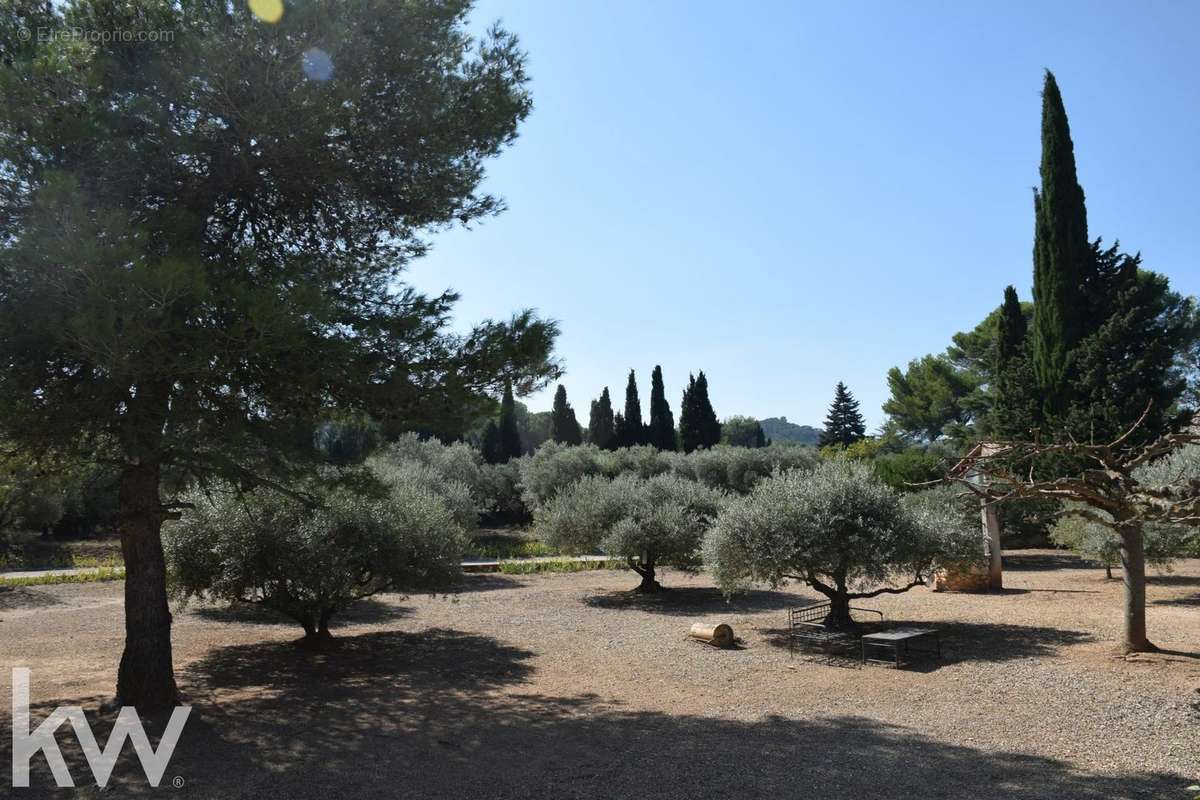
(698, 425)
(632, 432)
(662, 423)
(564, 428)
(510, 435)
(602, 430)
(1130, 361)
(1063, 264)
(844, 424)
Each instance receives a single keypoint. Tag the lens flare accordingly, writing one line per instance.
(318, 66)
(267, 10)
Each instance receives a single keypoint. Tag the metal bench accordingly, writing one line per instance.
(807, 629)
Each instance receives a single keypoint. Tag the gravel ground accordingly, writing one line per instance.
(565, 686)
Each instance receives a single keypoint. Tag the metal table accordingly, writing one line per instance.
(899, 643)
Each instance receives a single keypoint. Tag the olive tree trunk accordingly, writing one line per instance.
(145, 678)
(645, 568)
(316, 631)
(1133, 574)
(839, 617)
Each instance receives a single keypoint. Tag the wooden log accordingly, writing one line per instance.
(716, 635)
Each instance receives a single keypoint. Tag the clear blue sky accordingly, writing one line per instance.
(790, 194)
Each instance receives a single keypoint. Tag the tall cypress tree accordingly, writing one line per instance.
(490, 443)
(564, 428)
(602, 430)
(844, 424)
(698, 425)
(662, 422)
(1063, 263)
(632, 432)
(510, 434)
(1015, 405)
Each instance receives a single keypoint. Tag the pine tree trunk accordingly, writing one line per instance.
(145, 678)
(1133, 573)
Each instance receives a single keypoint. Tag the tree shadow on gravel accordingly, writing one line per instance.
(485, 582)
(423, 734)
(695, 600)
(15, 597)
(1033, 562)
(443, 714)
(1189, 600)
(970, 641)
(1173, 580)
(363, 612)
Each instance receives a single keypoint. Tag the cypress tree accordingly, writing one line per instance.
(1063, 263)
(1015, 406)
(698, 425)
(620, 432)
(844, 424)
(760, 438)
(602, 430)
(510, 434)
(632, 432)
(662, 422)
(490, 443)
(564, 428)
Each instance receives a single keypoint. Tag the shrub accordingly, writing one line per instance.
(840, 530)
(309, 561)
(554, 467)
(1098, 542)
(648, 522)
(643, 461)
(739, 469)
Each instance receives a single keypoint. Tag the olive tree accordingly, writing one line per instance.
(840, 530)
(650, 523)
(309, 561)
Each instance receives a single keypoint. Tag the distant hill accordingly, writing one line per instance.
(778, 429)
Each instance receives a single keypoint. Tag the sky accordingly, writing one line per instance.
(790, 194)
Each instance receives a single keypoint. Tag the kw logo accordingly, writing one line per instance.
(128, 726)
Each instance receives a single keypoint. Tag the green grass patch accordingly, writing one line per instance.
(558, 565)
(97, 576)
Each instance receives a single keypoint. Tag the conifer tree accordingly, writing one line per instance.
(602, 430)
(489, 443)
(698, 425)
(564, 428)
(620, 431)
(633, 432)
(510, 434)
(662, 422)
(1063, 263)
(1015, 405)
(844, 424)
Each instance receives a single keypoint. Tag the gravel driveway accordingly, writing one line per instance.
(564, 686)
